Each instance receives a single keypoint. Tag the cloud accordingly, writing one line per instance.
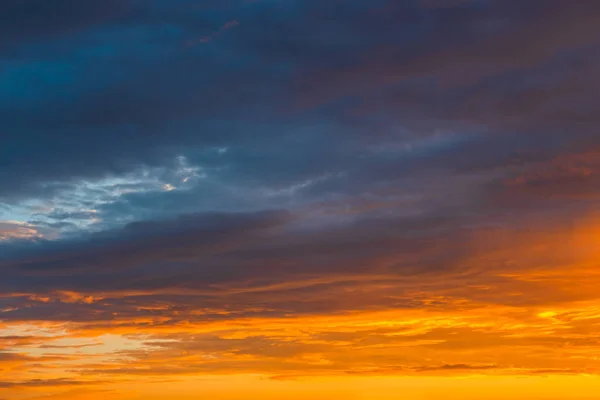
(18, 230)
(350, 188)
(34, 383)
(206, 39)
(33, 20)
(454, 367)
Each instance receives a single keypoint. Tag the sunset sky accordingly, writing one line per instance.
(299, 199)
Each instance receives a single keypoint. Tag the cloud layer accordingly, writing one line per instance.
(300, 190)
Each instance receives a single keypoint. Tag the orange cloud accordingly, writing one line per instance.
(18, 230)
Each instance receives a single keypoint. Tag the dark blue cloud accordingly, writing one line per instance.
(100, 90)
(365, 120)
(34, 20)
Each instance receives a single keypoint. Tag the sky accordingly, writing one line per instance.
(291, 199)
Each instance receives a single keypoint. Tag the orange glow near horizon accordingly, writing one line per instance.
(527, 330)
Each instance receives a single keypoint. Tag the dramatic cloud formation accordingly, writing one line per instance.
(299, 199)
